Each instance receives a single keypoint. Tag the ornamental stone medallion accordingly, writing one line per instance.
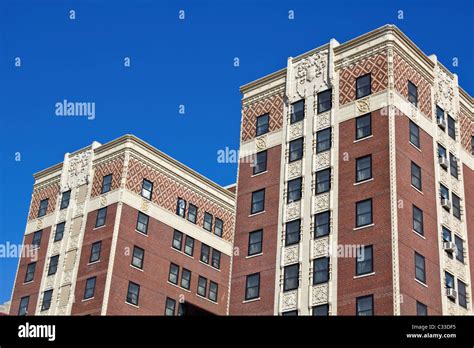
(444, 93)
(78, 170)
(311, 73)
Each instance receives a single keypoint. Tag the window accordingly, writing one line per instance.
(323, 140)
(296, 150)
(442, 152)
(258, 201)
(181, 207)
(106, 183)
(101, 217)
(365, 260)
(252, 286)
(207, 221)
(218, 227)
(177, 240)
(202, 286)
(414, 134)
(446, 234)
(439, 114)
(451, 127)
(173, 273)
(420, 273)
(292, 232)
(365, 305)
(364, 168)
(363, 126)
(47, 296)
(213, 289)
(293, 313)
(321, 224)
(418, 220)
(189, 246)
(65, 199)
(294, 190)
(421, 309)
(95, 252)
(138, 256)
(170, 306)
(364, 213)
(324, 101)
(449, 279)
(262, 125)
(291, 277)
(142, 223)
(444, 192)
(23, 309)
(459, 249)
(321, 310)
(260, 164)
(456, 206)
(186, 278)
(43, 207)
(133, 293)
(412, 93)
(37, 239)
(297, 111)
(216, 259)
(453, 165)
(205, 251)
(363, 86)
(323, 181)
(462, 294)
(255, 242)
(416, 176)
(53, 264)
(90, 288)
(192, 213)
(30, 272)
(147, 189)
(321, 270)
(58, 235)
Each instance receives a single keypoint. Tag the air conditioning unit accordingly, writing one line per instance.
(451, 293)
(445, 203)
(449, 247)
(441, 123)
(443, 162)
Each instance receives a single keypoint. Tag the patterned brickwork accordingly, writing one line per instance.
(50, 191)
(273, 105)
(113, 166)
(403, 72)
(466, 129)
(375, 64)
(166, 191)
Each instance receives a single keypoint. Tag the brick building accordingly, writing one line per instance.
(360, 197)
(122, 228)
(354, 196)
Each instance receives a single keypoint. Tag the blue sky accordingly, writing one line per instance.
(173, 62)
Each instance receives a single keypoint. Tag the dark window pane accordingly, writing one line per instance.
(202, 286)
(65, 199)
(177, 240)
(173, 274)
(321, 270)
(321, 223)
(252, 286)
(323, 181)
(58, 235)
(186, 278)
(258, 201)
(421, 309)
(462, 294)
(47, 296)
(414, 134)
(456, 206)
(364, 213)
(255, 242)
(363, 86)
(363, 126)
(205, 251)
(262, 125)
(321, 310)
(324, 101)
(294, 190)
(260, 164)
(451, 127)
(218, 227)
(296, 150)
(101, 217)
(459, 249)
(181, 207)
(216, 259)
(363, 168)
(292, 235)
(37, 239)
(30, 272)
(412, 93)
(147, 189)
(291, 277)
(170, 307)
(365, 305)
(192, 213)
(137, 257)
(323, 140)
(297, 111)
(95, 252)
(207, 221)
(142, 223)
(420, 273)
(189, 246)
(90, 288)
(416, 176)
(418, 220)
(106, 183)
(133, 293)
(364, 261)
(43, 207)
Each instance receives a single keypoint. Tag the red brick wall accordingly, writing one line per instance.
(379, 284)
(98, 269)
(114, 167)
(31, 288)
(466, 129)
(268, 221)
(153, 280)
(468, 202)
(51, 192)
(409, 241)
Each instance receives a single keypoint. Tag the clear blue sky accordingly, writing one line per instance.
(173, 62)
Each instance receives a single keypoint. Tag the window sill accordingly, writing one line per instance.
(254, 255)
(182, 252)
(28, 282)
(363, 182)
(143, 234)
(416, 147)
(420, 282)
(87, 299)
(364, 138)
(98, 228)
(417, 189)
(362, 227)
(255, 214)
(93, 262)
(177, 286)
(205, 298)
(133, 305)
(418, 234)
(209, 265)
(135, 267)
(257, 174)
(364, 275)
(251, 300)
